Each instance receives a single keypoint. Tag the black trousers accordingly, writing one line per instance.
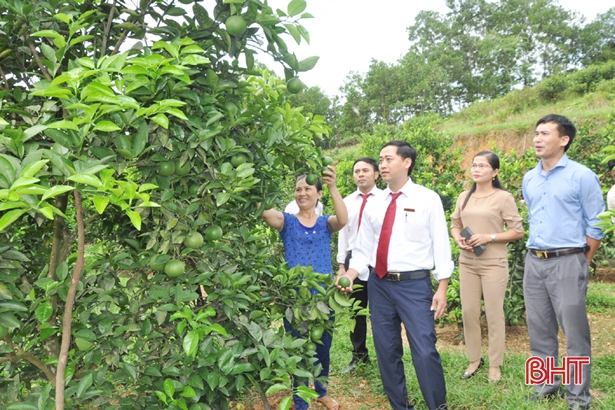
(359, 335)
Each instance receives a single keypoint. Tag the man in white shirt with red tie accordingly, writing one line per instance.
(365, 174)
(403, 236)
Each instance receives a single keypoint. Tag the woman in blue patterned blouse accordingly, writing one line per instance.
(307, 242)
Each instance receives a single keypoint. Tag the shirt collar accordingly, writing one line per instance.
(405, 189)
(373, 191)
(563, 161)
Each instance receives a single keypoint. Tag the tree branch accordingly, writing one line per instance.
(107, 29)
(37, 59)
(29, 357)
(116, 49)
(70, 301)
(6, 82)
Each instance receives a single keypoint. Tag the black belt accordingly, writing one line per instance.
(399, 276)
(554, 253)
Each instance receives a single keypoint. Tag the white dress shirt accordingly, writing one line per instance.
(348, 234)
(419, 239)
(293, 208)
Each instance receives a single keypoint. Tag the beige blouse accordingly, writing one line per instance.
(487, 215)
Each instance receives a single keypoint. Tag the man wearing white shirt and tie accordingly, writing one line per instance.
(403, 236)
(365, 173)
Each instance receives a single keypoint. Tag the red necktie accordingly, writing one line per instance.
(364, 196)
(382, 254)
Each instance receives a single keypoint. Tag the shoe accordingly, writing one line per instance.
(535, 397)
(577, 406)
(354, 362)
(329, 403)
(467, 375)
(494, 374)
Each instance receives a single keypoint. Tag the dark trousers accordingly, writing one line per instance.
(407, 302)
(359, 335)
(323, 355)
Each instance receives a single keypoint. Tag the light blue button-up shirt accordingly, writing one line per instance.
(563, 205)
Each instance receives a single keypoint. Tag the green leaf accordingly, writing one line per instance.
(130, 369)
(135, 218)
(33, 168)
(10, 217)
(296, 7)
(14, 306)
(293, 32)
(140, 139)
(44, 311)
(86, 179)
(222, 198)
(86, 334)
(63, 125)
(188, 392)
(276, 388)
(55, 191)
(161, 120)
(84, 384)
(226, 361)
(191, 343)
(7, 319)
(285, 403)
(62, 271)
(106, 126)
(152, 371)
(100, 203)
(24, 181)
(308, 63)
(169, 387)
(22, 406)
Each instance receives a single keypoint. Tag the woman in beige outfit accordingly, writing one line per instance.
(485, 209)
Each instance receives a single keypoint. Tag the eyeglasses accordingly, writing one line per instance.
(481, 166)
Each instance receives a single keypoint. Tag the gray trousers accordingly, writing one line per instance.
(555, 290)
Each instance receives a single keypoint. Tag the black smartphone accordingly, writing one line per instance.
(467, 233)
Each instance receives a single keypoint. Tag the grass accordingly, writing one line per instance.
(363, 388)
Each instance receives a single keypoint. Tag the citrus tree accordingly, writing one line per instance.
(136, 273)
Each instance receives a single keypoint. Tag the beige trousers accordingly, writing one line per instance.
(487, 279)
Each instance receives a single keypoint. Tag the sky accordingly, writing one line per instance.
(348, 34)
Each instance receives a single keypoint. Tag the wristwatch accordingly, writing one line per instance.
(492, 238)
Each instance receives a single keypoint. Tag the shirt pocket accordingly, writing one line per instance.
(415, 226)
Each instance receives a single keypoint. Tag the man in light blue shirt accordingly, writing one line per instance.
(564, 200)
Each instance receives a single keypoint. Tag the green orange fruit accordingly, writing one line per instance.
(236, 25)
(294, 85)
(213, 233)
(166, 168)
(344, 281)
(174, 268)
(231, 107)
(326, 161)
(122, 299)
(238, 159)
(182, 170)
(193, 240)
(194, 189)
(311, 179)
(316, 333)
(311, 346)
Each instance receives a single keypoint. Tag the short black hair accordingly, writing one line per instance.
(368, 160)
(404, 150)
(564, 127)
(611, 164)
